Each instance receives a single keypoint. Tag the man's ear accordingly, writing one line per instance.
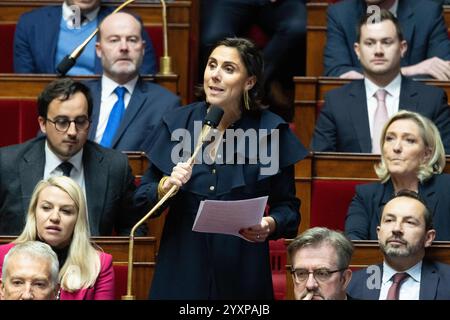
(357, 49)
(2, 290)
(42, 121)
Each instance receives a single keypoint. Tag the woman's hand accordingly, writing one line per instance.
(259, 232)
(180, 175)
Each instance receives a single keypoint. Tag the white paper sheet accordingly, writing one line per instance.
(228, 217)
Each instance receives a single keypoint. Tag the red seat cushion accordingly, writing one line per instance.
(330, 200)
(7, 40)
(20, 123)
(120, 281)
(278, 262)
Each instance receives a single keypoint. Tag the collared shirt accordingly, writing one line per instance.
(108, 100)
(410, 288)
(69, 15)
(77, 173)
(394, 7)
(392, 98)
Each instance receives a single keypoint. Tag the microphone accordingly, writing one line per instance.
(69, 61)
(211, 121)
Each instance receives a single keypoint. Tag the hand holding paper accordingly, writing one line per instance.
(229, 217)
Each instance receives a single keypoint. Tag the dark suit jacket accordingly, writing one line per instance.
(149, 102)
(434, 283)
(364, 213)
(36, 39)
(108, 180)
(422, 24)
(343, 124)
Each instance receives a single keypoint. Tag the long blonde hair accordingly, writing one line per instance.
(431, 139)
(82, 265)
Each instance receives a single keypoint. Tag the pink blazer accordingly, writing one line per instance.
(103, 288)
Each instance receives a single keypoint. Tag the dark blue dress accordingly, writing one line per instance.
(193, 265)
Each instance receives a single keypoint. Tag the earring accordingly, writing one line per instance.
(246, 102)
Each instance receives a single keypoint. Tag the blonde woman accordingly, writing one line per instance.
(57, 216)
(412, 158)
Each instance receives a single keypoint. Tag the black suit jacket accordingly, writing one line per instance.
(364, 213)
(343, 124)
(434, 283)
(149, 102)
(109, 187)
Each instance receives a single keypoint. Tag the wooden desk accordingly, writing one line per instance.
(179, 25)
(29, 86)
(368, 253)
(143, 264)
(317, 34)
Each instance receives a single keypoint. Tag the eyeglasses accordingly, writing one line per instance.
(321, 275)
(62, 124)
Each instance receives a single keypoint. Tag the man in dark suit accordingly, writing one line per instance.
(64, 109)
(45, 35)
(405, 230)
(423, 27)
(320, 261)
(121, 50)
(347, 120)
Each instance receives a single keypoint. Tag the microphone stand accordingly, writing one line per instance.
(205, 131)
(68, 62)
(165, 62)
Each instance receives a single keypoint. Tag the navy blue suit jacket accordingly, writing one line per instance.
(109, 187)
(149, 102)
(422, 24)
(343, 124)
(364, 213)
(36, 39)
(434, 283)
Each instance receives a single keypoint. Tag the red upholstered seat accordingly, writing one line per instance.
(278, 265)
(330, 200)
(7, 40)
(120, 280)
(20, 121)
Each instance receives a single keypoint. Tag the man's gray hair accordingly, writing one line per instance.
(34, 249)
(319, 235)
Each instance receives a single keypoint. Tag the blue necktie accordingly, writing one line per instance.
(115, 117)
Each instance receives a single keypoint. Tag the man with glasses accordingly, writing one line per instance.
(64, 112)
(320, 260)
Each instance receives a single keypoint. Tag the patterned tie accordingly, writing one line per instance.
(380, 118)
(394, 290)
(66, 167)
(115, 117)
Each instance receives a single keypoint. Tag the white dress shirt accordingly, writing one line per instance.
(69, 15)
(108, 100)
(392, 98)
(409, 289)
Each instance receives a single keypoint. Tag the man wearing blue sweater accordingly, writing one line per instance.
(44, 36)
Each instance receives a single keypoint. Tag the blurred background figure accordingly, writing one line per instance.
(283, 21)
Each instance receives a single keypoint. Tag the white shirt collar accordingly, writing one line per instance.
(414, 272)
(393, 88)
(109, 85)
(68, 13)
(394, 7)
(53, 161)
